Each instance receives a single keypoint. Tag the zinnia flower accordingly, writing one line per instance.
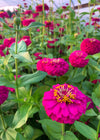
(37, 55)
(3, 94)
(64, 103)
(51, 43)
(35, 15)
(90, 46)
(95, 81)
(8, 41)
(54, 66)
(77, 59)
(39, 8)
(26, 22)
(2, 47)
(96, 19)
(26, 39)
(1, 53)
(28, 12)
(4, 14)
(48, 23)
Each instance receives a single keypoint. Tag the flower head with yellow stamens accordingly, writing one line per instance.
(64, 103)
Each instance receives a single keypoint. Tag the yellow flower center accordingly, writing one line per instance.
(64, 94)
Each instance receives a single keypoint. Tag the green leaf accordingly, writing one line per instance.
(39, 92)
(78, 78)
(21, 116)
(9, 134)
(85, 130)
(79, 1)
(19, 137)
(33, 78)
(70, 136)
(52, 128)
(23, 57)
(31, 25)
(96, 96)
(21, 47)
(28, 132)
(6, 82)
(37, 133)
(90, 112)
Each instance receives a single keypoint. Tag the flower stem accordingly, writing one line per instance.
(98, 129)
(16, 64)
(63, 130)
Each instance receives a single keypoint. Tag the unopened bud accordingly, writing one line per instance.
(17, 21)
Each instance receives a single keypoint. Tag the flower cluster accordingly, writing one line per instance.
(90, 46)
(77, 59)
(54, 66)
(64, 103)
(4, 14)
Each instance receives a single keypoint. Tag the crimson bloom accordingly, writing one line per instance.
(2, 47)
(64, 103)
(28, 12)
(4, 14)
(3, 94)
(90, 46)
(48, 24)
(77, 59)
(26, 22)
(37, 55)
(8, 41)
(51, 43)
(39, 8)
(54, 66)
(26, 39)
(35, 15)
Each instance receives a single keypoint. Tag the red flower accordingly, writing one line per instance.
(51, 43)
(28, 12)
(26, 39)
(39, 8)
(77, 59)
(35, 15)
(2, 47)
(3, 94)
(37, 55)
(90, 46)
(48, 23)
(26, 22)
(8, 41)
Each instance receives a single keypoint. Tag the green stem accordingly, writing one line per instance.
(63, 130)
(16, 64)
(98, 129)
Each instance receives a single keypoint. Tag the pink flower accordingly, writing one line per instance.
(28, 12)
(8, 41)
(64, 7)
(54, 66)
(90, 46)
(35, 15)
(87, 23)
(77, 59)
(26, 39)
(1, 37)
(98, 8)
(38, 30)
(3, 94)
(48, 23)
(51, 43)
(1, 53)
(37, 55)
(4, 14)
(96, 19)
(26, 22)
(61, 29)
(64, 103)
(39, 8)
(95, 81)
(11, 89)
(2, 47)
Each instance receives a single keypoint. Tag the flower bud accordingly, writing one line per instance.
(17, 21)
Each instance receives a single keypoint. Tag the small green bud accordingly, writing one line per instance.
(17, 21)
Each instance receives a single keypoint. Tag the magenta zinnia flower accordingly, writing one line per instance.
(3, 94)
(77, 59)
(35, 15)
(64, 103)
(51, 43)
(8, 41)
(90, 46)
(26, 39)
(54, 66)
(26, 22)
